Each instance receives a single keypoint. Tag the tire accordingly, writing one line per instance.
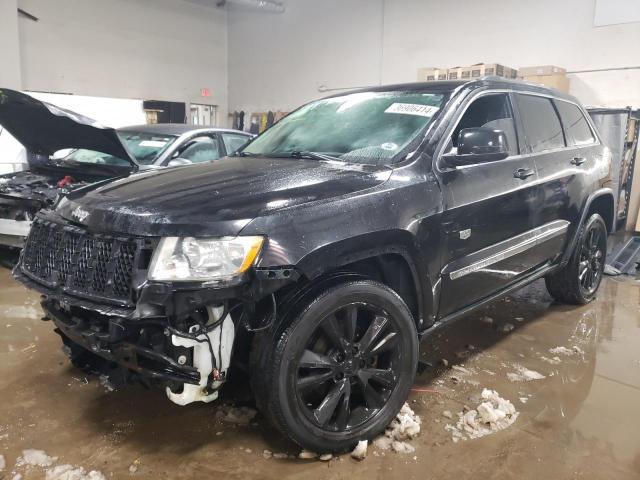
(577, 282)
(350, 346)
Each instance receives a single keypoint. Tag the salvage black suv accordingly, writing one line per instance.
(319, 255)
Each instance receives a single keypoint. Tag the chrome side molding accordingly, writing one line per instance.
(512, 246)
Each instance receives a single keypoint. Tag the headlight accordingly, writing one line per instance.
(193, 259)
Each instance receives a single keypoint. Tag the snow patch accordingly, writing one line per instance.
(523, 374)
(405, 426)
(35, 458)
(307, 455)
(360, 452)
(552, 361)
(2, 463)
(69, 472)
(566, 351)
(493, 414)
(105, 381)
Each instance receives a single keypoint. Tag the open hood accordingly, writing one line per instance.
(44, 128)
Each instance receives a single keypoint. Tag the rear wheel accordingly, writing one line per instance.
(342, 368)
(578, 282)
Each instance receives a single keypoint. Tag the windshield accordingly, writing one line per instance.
(145, 147)
(369, 127)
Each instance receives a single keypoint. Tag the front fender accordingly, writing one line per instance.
(378, 245)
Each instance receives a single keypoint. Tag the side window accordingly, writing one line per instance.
(201, 149)
(541, 123)
(575, 125)
(233, 141)
(489, 111)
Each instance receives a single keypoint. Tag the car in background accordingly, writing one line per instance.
(72, 151)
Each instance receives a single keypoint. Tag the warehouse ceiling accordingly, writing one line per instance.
(267, 6)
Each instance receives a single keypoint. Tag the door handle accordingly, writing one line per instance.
(577, 161)
(523, 173)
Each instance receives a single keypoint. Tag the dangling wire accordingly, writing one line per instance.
(270, 322)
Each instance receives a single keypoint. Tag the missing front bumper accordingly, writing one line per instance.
(194, 369)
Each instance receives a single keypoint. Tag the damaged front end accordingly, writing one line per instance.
(99, 292)
(44, 129)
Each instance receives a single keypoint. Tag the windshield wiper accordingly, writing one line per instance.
(313, 155)
(243, 154)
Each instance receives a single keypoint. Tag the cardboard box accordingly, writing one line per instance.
(477, 70)
(430, 74)
(541, 70)
(492, 69)
(558, 81)
(454, 73)
(631, 130)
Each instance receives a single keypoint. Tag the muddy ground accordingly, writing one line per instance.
(582, 420)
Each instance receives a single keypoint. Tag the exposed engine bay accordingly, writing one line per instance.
(36, 189)
(22, 194)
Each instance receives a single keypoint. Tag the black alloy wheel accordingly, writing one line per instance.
(592, 256)
(346, 372)
(578, 281)
(338, 367)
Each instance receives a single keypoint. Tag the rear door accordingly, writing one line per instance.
(232, 142)
(201, 148)
(562, 157)
(487, 214)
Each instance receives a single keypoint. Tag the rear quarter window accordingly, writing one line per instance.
(575, 125)
(542, 127)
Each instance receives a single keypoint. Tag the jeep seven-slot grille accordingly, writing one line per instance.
(80, 263)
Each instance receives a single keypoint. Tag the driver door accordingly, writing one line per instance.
(488, 211)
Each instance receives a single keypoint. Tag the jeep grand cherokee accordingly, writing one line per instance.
(329, 246)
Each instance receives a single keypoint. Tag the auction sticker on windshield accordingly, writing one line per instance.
(412, 109)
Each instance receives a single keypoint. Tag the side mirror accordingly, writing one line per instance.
(179, 162)
(478, 145)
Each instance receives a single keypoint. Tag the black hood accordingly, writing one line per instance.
(214, 199)
(44, 128)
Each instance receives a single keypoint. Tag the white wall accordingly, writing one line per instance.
(111, 112)
(9, 45)
(277, 61)
(144, 49)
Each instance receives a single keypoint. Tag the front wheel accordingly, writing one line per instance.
(341, 368)
(578, 282)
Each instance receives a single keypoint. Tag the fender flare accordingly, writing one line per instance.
(342, 253)
(583, 217)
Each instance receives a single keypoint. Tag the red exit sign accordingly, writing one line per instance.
(205, 92)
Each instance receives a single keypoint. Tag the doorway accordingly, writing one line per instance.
(204, 115)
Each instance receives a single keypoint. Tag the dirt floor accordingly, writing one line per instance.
(580, 421)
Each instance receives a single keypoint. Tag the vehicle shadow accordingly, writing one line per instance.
(8, 257)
